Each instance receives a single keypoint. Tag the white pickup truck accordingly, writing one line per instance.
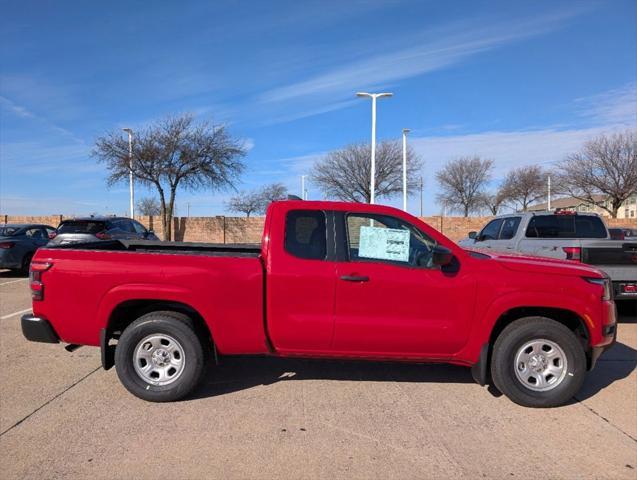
(566, 235)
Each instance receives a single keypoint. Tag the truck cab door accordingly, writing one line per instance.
(300, 282)
(488, 236)
(391, 301)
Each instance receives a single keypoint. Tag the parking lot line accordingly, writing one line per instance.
(13, 281)
(14, 314)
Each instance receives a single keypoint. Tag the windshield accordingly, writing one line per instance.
(81, 226)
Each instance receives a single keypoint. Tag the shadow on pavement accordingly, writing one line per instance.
(615, 364)
(240, 373)
(12, 274)
(244, 372)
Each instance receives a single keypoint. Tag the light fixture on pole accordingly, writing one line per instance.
(130, 171)
(373, 96)
(405, 132)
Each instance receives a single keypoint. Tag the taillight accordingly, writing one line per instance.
(103, 236)
(7, 245)
(35, 279)
(630, 288)
(573, 253)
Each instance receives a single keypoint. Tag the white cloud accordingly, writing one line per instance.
(431, 53)
(618, 105)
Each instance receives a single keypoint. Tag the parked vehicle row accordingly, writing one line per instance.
(330, 279)
(568, 235)
(18, 242)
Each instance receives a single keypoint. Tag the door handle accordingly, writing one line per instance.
(355, 278)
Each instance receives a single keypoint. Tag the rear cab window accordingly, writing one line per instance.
(81, 226)
(566, 226)
(306, 234)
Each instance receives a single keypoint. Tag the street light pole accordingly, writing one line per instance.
(405, 132)
(549, 194)
(303, 187)
(130, 171)
(373, 96)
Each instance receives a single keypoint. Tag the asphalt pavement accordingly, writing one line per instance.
(62, 416)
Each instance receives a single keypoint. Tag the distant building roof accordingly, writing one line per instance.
(565, 202)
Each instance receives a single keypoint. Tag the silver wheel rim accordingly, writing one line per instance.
(159, 359)
(540, 365)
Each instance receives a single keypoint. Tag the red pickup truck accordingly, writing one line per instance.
(338, 280)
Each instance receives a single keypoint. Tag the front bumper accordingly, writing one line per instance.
(36, 329)
(609, 334)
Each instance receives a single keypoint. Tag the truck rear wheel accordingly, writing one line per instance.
(538, 362)
(159, 357)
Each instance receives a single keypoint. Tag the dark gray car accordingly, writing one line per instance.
(18, 243)
(91, 229)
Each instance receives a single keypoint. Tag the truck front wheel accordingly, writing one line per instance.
(538, 362)
(159, 357)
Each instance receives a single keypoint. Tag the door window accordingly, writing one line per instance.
(139, 228)
(509, 227)
(306, 234)
(387, 239)
(491, 231)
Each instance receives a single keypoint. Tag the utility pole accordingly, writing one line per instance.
(373, 96)
(549, 194)
(130, 171)
(188, 207)
(405, 132)
(303, 196)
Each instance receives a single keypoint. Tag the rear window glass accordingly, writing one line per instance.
(305, 234)
(81, 226)
(566, 226)
(8, 231)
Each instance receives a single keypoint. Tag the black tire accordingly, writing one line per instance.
(510, 342)
(26, 264)
(170, 325)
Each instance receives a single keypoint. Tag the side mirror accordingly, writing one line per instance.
(441, 256)
(473, 235)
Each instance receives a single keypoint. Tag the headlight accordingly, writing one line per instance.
(604, 283)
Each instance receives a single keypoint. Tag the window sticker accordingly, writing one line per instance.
(384, 244)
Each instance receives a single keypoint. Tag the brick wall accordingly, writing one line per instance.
(248, 230)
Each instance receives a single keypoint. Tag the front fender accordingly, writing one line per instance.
(509, 301)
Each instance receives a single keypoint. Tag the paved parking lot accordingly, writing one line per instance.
(62, 416)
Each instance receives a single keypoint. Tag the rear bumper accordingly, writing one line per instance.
(36, 329)
(620, 287)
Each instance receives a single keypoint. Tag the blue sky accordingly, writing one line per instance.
(520, 82)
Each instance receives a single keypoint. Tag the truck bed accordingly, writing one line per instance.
(181, 248)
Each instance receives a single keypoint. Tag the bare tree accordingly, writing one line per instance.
(149, 206)
(257, 201)
(525, 185)
(174, 153)
(245, 202)
(345, 174)
(462, 182)
(606, 165)
(494, 201)
(271, 193)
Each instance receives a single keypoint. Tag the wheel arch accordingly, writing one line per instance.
(128, 311)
